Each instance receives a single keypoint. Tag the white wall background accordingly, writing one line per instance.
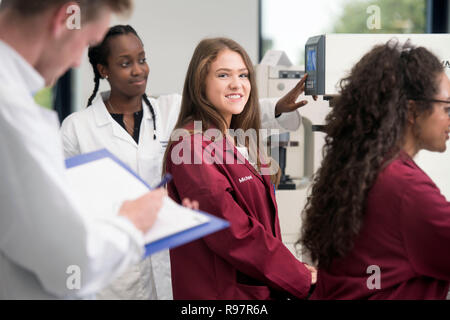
(170, 30)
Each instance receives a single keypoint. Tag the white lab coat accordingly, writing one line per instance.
(45, 238)
(94, 128)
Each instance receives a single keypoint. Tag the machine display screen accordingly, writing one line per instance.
(311, 59)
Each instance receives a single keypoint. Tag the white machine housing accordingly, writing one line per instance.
(276, 76)
(336, 54)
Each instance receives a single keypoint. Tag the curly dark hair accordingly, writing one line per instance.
(365, 131)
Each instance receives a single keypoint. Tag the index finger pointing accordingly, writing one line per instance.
(300, 85)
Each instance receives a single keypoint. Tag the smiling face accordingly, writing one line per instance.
(432, 130)
(227, 86)
(127, 68)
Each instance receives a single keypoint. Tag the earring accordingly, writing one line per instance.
(106, 77)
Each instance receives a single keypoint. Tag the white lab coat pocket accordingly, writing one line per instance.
(150, 163)
(150, 169)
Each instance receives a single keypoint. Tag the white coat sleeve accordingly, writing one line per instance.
(169, 106)
(289, 121)
(68, 136)
(42, 229)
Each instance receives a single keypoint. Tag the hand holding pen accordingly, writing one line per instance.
(194, 205)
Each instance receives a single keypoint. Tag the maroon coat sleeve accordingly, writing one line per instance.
(425, 225)
(246, 245)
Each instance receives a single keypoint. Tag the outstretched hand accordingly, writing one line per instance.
(288, 103)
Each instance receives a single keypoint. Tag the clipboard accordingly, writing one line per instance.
(90, 173)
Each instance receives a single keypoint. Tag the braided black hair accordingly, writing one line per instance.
(99, 55)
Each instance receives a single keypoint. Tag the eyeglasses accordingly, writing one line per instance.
(447, 108)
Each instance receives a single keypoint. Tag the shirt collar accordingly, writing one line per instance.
(18, 70)
(101, 112)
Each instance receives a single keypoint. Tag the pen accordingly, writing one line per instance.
(167, 177)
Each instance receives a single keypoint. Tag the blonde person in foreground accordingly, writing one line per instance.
(43, 231)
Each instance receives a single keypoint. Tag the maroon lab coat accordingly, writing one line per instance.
(247, 260)
(406, 234)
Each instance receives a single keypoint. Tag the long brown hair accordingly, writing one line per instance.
(196, 107)
(365, 130)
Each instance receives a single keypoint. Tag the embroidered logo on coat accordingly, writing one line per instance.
(243, 179)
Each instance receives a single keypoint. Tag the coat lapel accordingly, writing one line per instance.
(239, 158)
(265, 179)
(103, 118)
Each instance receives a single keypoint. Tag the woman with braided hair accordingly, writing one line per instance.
(115, 120)
(375, 223)
(136, 128)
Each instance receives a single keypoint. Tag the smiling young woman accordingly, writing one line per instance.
(227, 85)
(136, 128)
(126, 122)
(248, 260)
